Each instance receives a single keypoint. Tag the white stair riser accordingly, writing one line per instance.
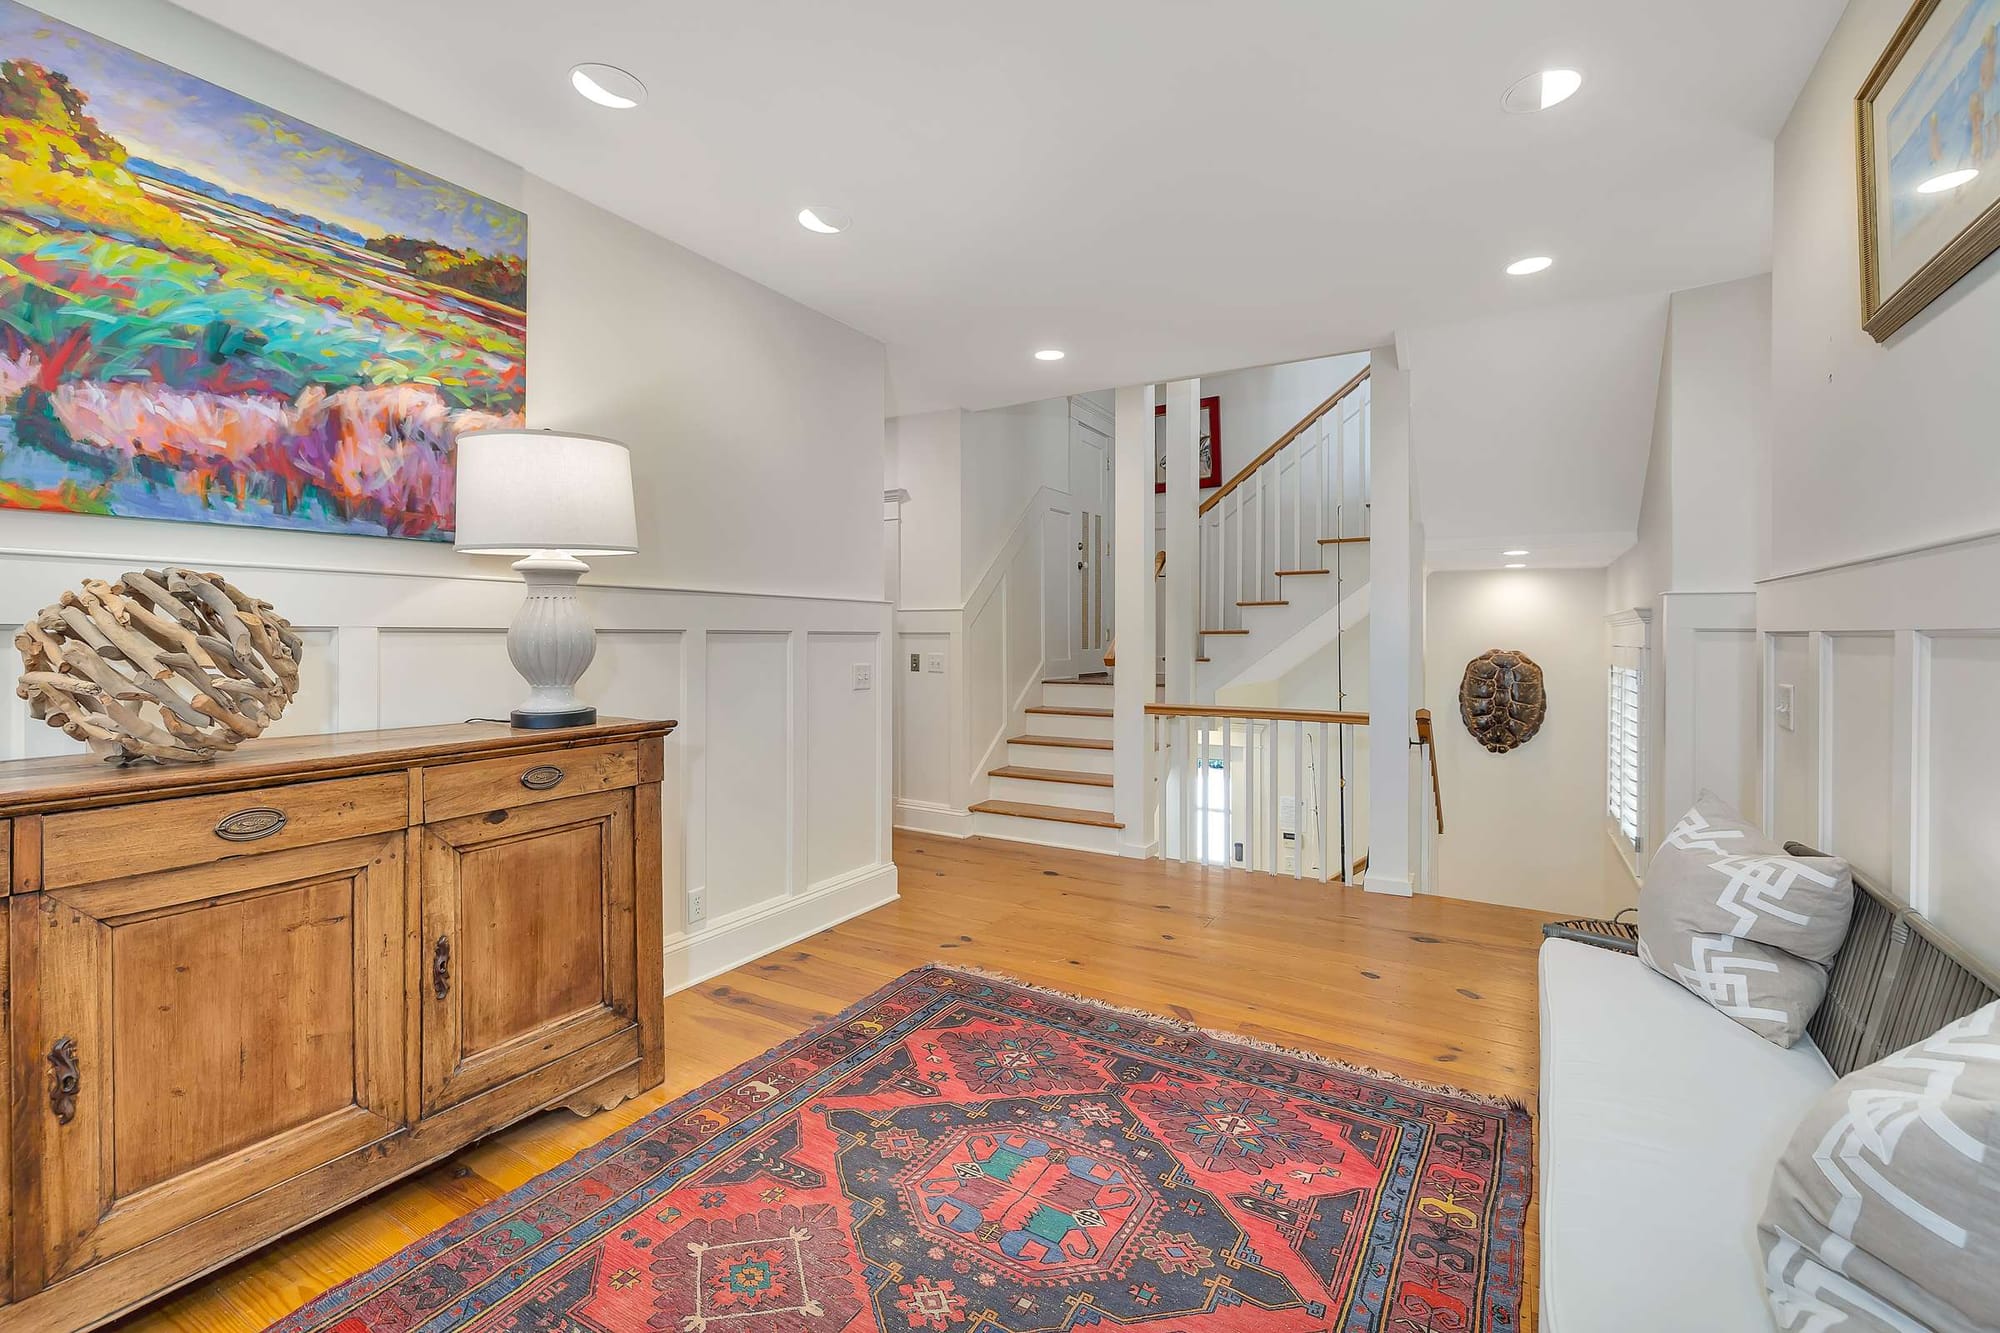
(1077, 696)
(1056, 724)
(1068, 795)
(1049, 756)
(1047, 833)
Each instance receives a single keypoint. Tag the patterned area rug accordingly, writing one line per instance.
(961, 1154)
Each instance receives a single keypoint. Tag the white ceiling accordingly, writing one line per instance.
(1534, 429)
(1162, 187)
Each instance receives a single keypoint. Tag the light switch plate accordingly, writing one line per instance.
(1786, 707)
(916, 661)
(934, 662)
(864, 676)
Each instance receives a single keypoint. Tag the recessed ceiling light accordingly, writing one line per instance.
(1516, 566)
(1951, 180)
(1049, 354)
(1513, 553)
(1539, 92)
(608, 85)
(1521, 268)
(825, 221)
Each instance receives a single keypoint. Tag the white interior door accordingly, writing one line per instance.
(1090, 488)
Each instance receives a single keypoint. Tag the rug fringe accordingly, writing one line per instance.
(1497, 1101)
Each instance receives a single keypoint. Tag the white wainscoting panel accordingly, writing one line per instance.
(432, 676)
(842, 741)
(1795, 794)
(747, 771)
(1858, 762)
(1959, 876)
(1725, 716)
(1909, 648)
(777, 796)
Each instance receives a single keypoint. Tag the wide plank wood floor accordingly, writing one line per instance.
(1430, 988)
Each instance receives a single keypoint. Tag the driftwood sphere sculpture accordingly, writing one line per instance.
(169, 665)
(1501, 699)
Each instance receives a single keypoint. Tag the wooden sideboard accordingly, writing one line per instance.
(240, 995)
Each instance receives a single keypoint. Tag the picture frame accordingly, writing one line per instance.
(1927, 133)
(1211, 445)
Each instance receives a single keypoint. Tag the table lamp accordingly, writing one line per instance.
(548, 497)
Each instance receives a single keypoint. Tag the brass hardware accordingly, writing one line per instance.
(441, 967)
(65, 1080)
(541, 777)
(259, 821)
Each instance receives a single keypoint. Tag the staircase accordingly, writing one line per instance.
(1055, 787)
(1284, 548)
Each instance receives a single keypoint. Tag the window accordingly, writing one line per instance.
(1623, 751)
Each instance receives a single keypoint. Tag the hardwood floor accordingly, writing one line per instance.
(1430, 988)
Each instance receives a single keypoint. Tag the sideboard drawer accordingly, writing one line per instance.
(90, 846)
(502, 784)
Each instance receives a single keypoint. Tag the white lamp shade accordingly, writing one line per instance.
(522, 491)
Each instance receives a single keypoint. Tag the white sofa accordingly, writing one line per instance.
(1660, 1123)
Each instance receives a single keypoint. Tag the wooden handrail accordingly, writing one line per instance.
(1215, 498)
(1427, 737)
(1257, 714)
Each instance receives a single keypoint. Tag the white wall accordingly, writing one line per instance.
(924, 452)
(1524, 828)
(1878, 447)
(987, 522)
(757, 439)
(1878, 609)
(1701, 517)
(1008, 454)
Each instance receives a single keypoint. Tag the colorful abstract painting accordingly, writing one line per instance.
(212, 312)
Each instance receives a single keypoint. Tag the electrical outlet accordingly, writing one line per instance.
(1786, 707)
(934, 663)
(916, 661)
(697, 906)
(864, 676)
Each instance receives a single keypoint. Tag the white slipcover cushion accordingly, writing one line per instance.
(1660, 1123)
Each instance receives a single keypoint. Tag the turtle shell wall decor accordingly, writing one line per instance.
(170, 665)
(1501, 699)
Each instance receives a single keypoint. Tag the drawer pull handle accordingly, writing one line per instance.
(441, 967)
(65, 1080)
(259, 821)
(541, 777)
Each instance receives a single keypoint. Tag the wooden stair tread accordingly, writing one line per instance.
(1027, 774)
(1279, 603)
(1061, 742)
(1055, 814)
(1295, 573)
(1225, 631)
(1063, 710)
(1341, 541)
(1077, 680)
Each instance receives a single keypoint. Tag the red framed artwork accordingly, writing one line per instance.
(1211, 445)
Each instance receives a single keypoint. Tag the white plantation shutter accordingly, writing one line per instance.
(1623, 750)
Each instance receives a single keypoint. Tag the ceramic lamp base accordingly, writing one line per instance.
(551, 643)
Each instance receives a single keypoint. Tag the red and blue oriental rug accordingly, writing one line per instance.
(959, 1154)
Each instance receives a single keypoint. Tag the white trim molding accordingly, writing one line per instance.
(776, 801)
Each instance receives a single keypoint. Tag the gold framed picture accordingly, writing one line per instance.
(1928, 131)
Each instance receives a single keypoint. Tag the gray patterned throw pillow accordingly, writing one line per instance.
(1884, 1215)
(1730, 916)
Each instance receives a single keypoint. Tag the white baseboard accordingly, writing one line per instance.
(692, 959)
(925, 817)
(1398, 885)
(1140, 851)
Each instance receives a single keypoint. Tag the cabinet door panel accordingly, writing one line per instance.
(225, 1028)
(529, 936)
